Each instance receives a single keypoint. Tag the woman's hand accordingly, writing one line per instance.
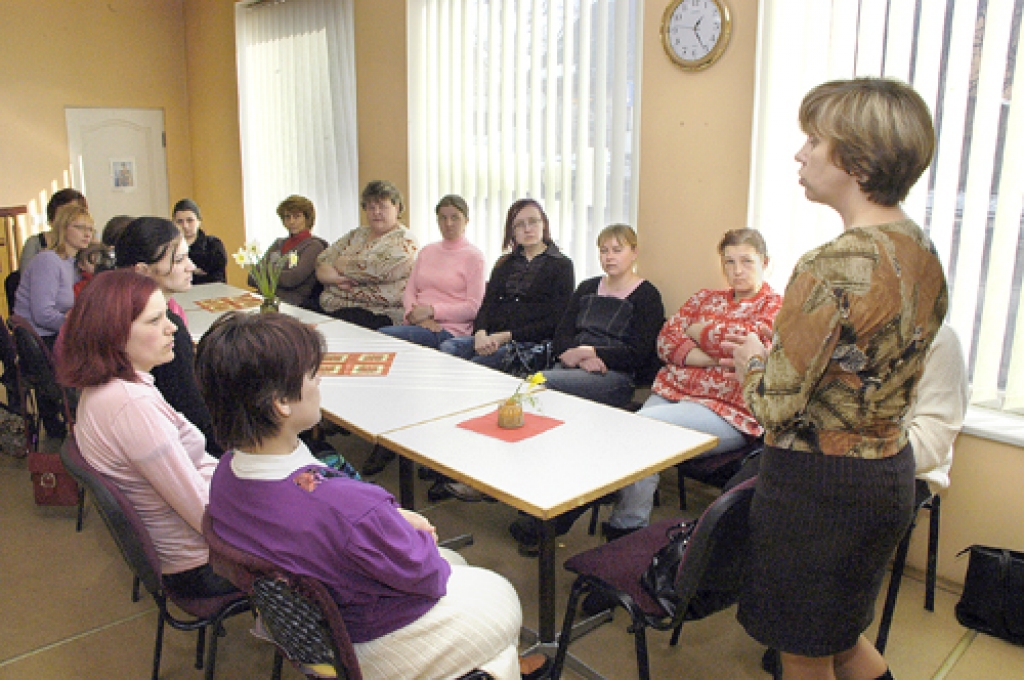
(485, 344)
(430, 325)
(419, 313)
(593, 365)
(743, 348)
(418, 522)
(695, 330)
(571, 358)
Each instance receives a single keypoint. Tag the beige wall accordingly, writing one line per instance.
(102, 53)
(694, 156)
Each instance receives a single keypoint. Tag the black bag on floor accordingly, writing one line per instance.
(993, 599)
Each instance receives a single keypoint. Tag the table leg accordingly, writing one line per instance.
(546, 579)
(406, 483)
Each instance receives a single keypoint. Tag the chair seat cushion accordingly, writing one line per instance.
(619, 563)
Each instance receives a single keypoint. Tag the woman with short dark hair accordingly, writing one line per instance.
(116, 334)
(295, 284)
(835, 491)
(365, 272)
(206, 252)
(411, 609)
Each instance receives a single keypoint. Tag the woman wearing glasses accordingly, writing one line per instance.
(527, 293)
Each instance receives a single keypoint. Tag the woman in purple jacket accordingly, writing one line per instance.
(409, 607)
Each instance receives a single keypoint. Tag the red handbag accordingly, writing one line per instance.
(50, 481)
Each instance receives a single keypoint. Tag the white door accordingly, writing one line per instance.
(118, 161)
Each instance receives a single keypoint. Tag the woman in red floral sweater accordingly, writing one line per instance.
(692, 389)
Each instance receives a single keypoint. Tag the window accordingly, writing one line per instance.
(961, 56)
(297, 110)
(517, 98)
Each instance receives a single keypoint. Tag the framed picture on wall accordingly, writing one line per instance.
(122, 174)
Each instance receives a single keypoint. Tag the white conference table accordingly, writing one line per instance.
(595, 451)
(415, 409)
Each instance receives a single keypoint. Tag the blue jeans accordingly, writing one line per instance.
(633, 508)
(464, 347)
(418, 334)
(612, 388)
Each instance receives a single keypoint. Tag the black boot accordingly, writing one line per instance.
(378, 460)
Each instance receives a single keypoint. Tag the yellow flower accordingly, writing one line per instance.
(530, 382)
(536, 379)
(293, 259)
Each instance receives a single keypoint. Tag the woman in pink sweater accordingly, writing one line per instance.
(446, 286)
(115, 335)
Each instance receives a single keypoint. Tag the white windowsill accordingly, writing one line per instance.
(994, 425)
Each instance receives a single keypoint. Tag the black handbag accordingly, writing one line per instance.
(659, 580)
(993, 598)
(526, 358)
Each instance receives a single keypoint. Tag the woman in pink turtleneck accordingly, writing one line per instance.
(446, 286)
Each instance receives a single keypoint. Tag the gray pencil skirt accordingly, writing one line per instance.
(823, 529)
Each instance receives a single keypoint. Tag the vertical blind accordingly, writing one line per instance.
(525, 98)
(962, 57)
(297, 110)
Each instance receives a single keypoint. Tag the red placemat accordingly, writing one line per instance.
(371, 364)
(225, 304)
(488, 424)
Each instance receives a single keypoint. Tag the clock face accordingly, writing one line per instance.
(695, 32)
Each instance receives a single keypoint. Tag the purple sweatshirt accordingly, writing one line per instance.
(348, 534)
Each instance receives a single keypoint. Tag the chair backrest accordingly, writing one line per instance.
(11, 283)
(711, 571)
(296, 611)
(119, 515)
(9, 379)
(36, 368)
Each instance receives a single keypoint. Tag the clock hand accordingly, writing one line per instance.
(696, 33)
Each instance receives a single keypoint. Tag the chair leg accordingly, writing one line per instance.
(682, 488)
(595, 514)
(136, 584)
(158, 648)
(201, 646)
(889, 609)
(675, 635)
(642, 662)
(81, 508)
(933, 553)
(563, 639)
(278, 662)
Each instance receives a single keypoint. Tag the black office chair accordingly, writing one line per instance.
(716, 469)
(708, 580)
(138, 551)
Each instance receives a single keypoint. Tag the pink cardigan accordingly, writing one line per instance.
(127, 431)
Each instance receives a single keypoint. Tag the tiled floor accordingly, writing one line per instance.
(67, 613)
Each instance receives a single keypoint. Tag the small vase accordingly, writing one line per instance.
(510, 415)
(270, 304)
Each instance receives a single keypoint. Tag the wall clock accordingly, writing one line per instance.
(696, 32)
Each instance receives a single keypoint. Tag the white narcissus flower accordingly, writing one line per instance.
(293, 259)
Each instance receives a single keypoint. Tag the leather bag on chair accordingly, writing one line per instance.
(993, 598)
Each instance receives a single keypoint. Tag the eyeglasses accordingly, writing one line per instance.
(84, 228)
(523, 224)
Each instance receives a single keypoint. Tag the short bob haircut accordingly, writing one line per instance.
(623, 233)
(187, 205)
(67, 215)
(453, 201)
(146, 240)
(297, 204)
(379, 190)
(62, 198)
(879, 131)
(740, 237)
(509, 242)
(245, 362)
(94, 340)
